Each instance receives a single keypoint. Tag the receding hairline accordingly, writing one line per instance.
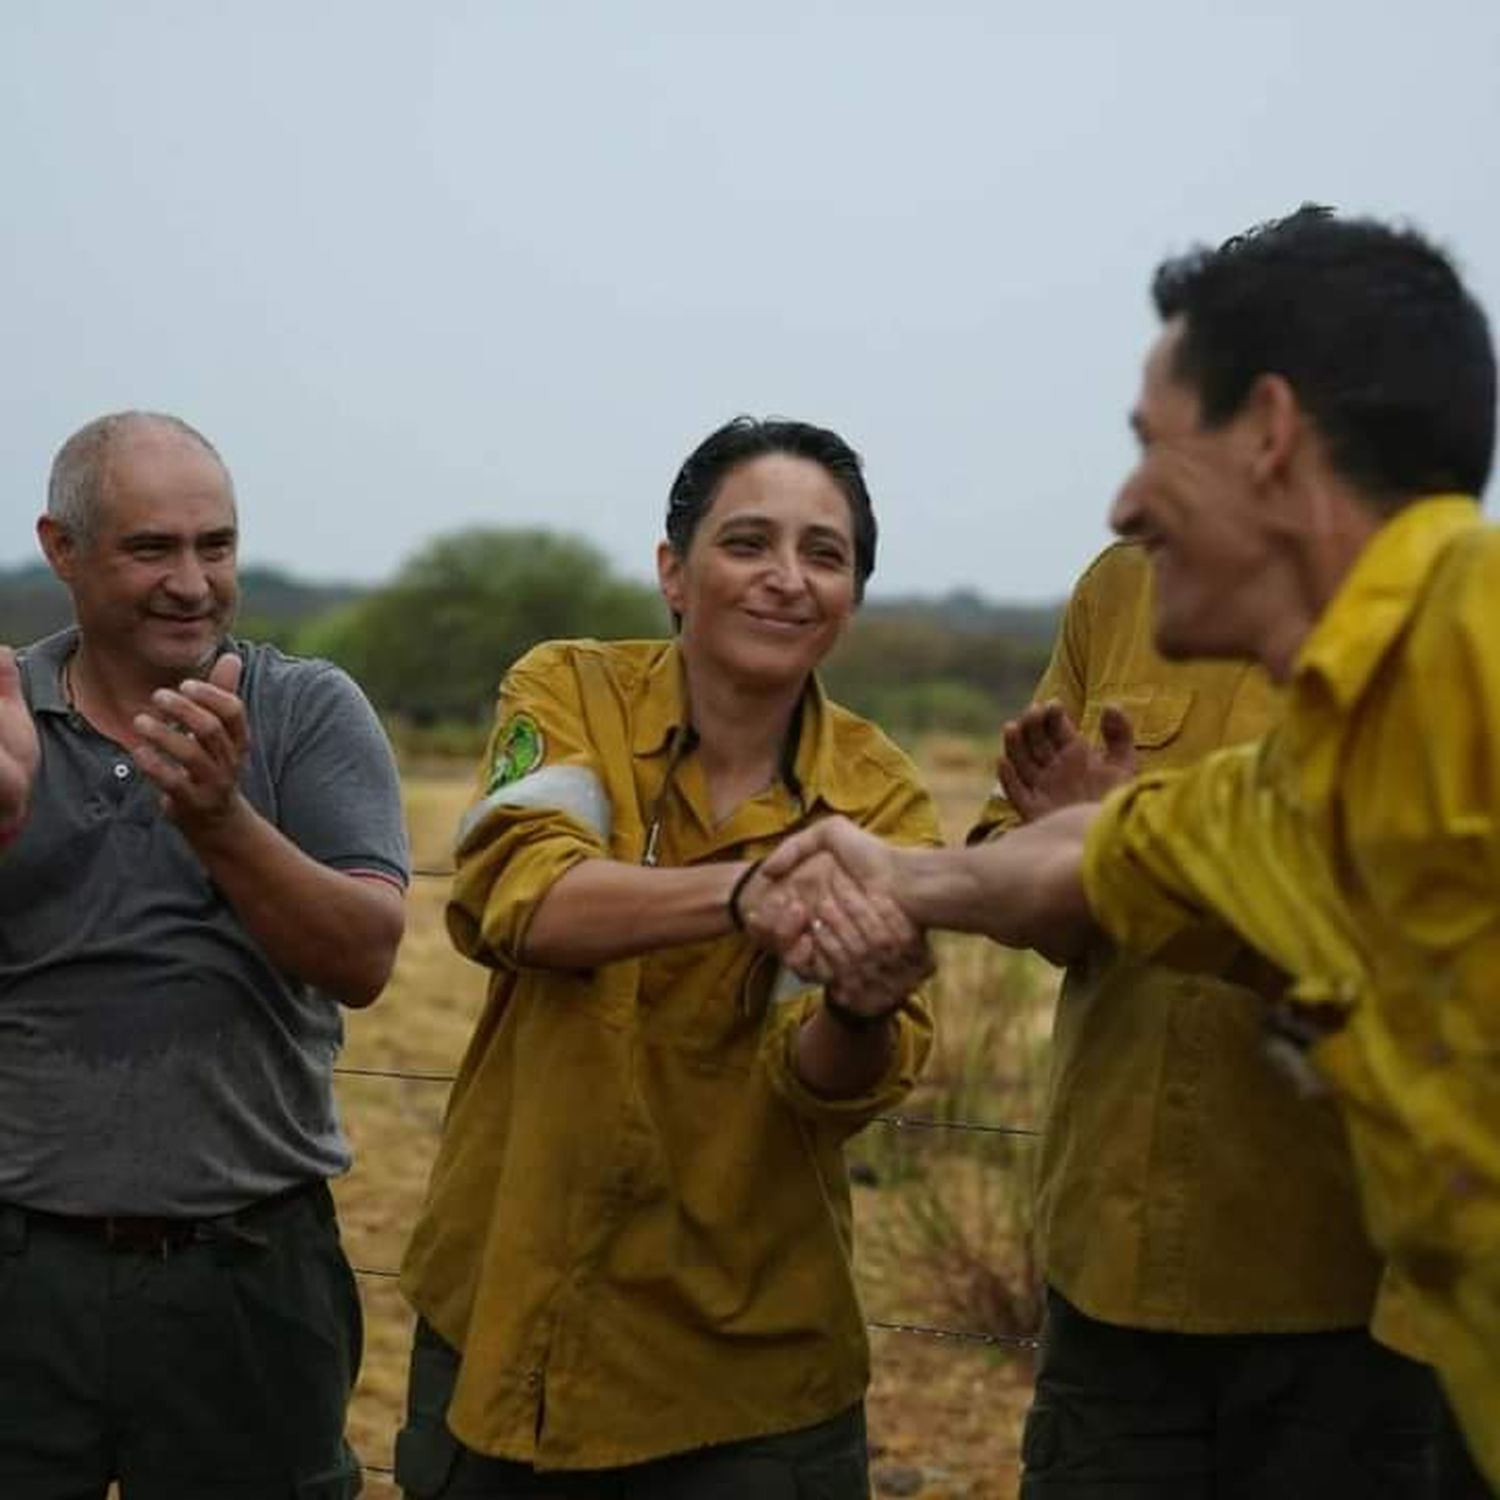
(80, 469)
(104, 436)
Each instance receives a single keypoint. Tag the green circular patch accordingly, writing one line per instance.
(518, 752)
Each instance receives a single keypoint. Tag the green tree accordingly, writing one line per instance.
(432, 644)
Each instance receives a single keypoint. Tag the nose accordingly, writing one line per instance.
(188, 578)
(788, 576)
(1125, 514)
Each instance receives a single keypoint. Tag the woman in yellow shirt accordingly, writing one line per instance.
(632, 1272)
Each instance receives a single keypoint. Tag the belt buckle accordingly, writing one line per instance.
(143, 1236)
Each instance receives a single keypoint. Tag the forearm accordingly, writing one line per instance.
(603, 909)
(1025, 890)
(838, 1062)
(334, 930)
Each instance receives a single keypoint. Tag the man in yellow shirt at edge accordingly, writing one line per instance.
(1316, 420)
(1209, 1280)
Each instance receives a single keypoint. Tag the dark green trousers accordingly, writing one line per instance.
(825, 1462)
(1130, 1414)
(220, 1368)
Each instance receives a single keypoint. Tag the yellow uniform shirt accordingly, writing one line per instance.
(1357, 846)
(1182, 1183)
(638, 1226)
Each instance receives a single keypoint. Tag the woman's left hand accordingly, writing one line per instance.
(864, 949)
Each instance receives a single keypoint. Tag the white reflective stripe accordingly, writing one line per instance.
(788, 984)
(574, 790)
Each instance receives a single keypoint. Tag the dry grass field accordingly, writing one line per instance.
(941, 1211)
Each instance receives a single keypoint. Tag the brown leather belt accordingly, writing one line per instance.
(152, 1234)
(129, 1234)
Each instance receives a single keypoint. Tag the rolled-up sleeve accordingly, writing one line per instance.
(540, 807)
(846, 1115)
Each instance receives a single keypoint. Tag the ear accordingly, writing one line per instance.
(59, 547)
(1274, 424)
(669, 576)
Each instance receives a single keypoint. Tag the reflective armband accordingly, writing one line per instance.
(574, 790)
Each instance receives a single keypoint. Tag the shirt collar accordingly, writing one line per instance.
(45, 660)
(1380, 592)
(815, 766)
(824, 776)
(663, 710)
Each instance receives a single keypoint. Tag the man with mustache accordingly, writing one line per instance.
(203, 859)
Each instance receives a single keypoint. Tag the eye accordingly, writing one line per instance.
(828, 555)
(742, 545)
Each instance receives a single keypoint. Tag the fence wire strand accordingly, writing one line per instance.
(897, 1122)
(878, 1325)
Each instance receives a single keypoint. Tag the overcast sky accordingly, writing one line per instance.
(420, 266)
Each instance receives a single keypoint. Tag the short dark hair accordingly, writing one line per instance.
(746, 438)
(1370, 325)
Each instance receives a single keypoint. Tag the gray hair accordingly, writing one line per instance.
(75, 488)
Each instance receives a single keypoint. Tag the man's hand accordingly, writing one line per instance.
(777, 913)
(1025, 890)
(865, 950)
(869, 861)
(1047, 764)
(193, 746)
(824, 925)
(19, 751)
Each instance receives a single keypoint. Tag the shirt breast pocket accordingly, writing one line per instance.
(1156, 715)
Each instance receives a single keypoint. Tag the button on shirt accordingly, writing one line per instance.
(1357, 847)
(1182, 1183)
(638, 1227)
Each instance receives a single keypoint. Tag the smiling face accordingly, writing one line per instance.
(768, 583)
(154, 582)
(1198, 499)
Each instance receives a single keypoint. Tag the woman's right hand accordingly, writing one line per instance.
(831, 928)
(778, 913)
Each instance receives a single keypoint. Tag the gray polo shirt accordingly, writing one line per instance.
(152, 1059)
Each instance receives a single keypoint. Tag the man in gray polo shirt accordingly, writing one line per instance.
(201, 857)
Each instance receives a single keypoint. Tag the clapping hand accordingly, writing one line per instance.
(19, 750)
(1047, 764)
(193, 744)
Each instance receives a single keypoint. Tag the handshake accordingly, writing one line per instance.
(827, 903)
(845, 909)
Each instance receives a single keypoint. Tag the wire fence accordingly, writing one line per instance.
(895, 1122)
